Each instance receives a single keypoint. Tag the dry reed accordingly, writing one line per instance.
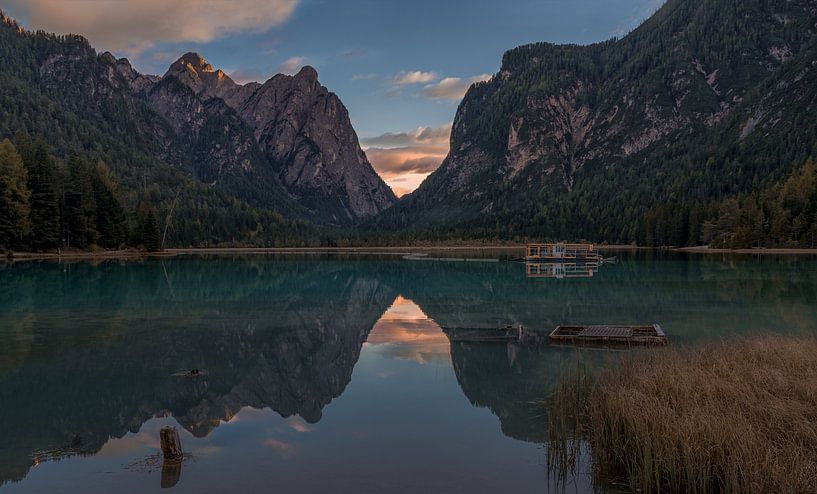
(728, 417)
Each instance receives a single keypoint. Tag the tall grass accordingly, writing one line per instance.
(729, 417)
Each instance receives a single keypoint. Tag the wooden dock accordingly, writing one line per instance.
(610, 334)
(561, 252)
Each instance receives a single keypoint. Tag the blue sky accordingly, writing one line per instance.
(398, 66)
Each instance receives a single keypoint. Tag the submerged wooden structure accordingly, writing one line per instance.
(506, 334)
(561, 252)
(602, 334)
(610, 334)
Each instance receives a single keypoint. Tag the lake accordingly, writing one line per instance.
(331, 373)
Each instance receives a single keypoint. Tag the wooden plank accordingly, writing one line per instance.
(606, 332)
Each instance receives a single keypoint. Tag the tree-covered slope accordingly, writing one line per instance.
(214, 176)
(59, 89)
(707, 99)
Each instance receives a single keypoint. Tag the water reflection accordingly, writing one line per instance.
(405, 332)
(94, 357)
(561, 270)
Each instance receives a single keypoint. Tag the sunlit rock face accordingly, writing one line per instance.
(303, 130)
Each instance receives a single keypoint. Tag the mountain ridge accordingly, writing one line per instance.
(584, 141)
(171, 122)
(289, 132)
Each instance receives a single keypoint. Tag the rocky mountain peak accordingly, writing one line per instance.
(304, 131)
(192, 70)
(193, 61)
(307, 73)
(8, 21)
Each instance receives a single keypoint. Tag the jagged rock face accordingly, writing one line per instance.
(304, 130)
(285, 146)
(556, 118)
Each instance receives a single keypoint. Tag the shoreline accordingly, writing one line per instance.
(136, 254)
(760, 250)
(403, 249)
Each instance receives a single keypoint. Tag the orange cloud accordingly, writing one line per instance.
(405, 159)
(452, 88)
(404, 332)
(135, 25)
(297, 424)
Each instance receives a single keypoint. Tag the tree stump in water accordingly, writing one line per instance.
(171, 444)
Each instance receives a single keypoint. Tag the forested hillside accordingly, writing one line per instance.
(640, 139)
(699, 127)
(208, 179)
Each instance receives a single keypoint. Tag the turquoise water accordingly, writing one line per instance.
(329, 373)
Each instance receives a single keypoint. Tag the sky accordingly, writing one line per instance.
(400, 67)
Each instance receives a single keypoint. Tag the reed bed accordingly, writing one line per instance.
(728, 417)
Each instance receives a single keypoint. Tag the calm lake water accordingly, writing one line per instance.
(329, 373)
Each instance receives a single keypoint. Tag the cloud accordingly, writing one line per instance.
(429, 136)
(390, 162)
(297, 424)
(452, 88)
(405, 159)
(135, 25)
(284, 449)
(244, 76)
(404, 332)
(291, 65)
(353, 54)
(413, 77)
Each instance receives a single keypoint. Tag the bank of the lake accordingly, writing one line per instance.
(509, 247)
(759, 250)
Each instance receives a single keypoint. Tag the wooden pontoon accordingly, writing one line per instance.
(561, 252)
(610, 334)
(561, 270)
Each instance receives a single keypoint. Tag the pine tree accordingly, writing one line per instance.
(147, 227)
(110, 217)
(45, 206)
(79, 206)
(14, 198)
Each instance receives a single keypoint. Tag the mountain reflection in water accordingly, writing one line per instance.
(95, 352)
(405, 332)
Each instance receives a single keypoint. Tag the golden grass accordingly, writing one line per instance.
(729, 417)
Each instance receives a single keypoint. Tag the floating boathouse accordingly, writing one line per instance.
(561, 252)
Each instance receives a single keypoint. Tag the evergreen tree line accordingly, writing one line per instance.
(781, 215)
(45, 206)
(784, 215)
